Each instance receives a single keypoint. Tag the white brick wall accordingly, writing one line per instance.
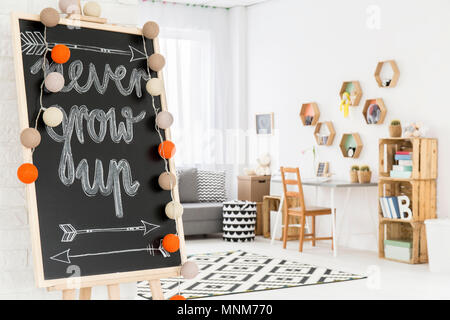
(16, 271)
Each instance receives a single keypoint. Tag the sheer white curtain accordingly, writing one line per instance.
(200, 78)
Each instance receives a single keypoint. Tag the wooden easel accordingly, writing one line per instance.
(112, 281)
(113, 292)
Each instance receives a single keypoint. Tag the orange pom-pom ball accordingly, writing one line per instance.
(171, 243)
(177, 297)
(60, 53)
(27, 173)
(167, 149)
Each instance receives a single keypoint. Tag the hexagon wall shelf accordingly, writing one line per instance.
(309, 114)
(387, 82)
(374, 111)
(351, 145)
(354, 90)
(324, 133)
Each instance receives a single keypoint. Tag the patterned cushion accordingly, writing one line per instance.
(211, 186)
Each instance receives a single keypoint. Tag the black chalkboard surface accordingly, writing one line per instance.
(99, 206)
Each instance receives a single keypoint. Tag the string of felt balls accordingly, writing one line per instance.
(52, 117)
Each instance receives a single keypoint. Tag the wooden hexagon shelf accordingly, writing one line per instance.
(309, 114)
(351, 145)
(374, 111)
(324, 133)
(353, 89)
(387, 82)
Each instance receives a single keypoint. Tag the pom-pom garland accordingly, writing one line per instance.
(150, 30)
(174, 210)
(164, 120)
(178, 297)
(167, 181)
(60, 53)
(156, 62)
(27, 173)
(155, 87)
(171, 243)
(166, 149)
(30, 138)
(49, 17)
(69, 6)
(92, 9)
(52, 117)
(189, 270)
(54, 82)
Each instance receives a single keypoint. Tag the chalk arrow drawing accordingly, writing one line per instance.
(66, 257)
(33, 43)
(70, 232)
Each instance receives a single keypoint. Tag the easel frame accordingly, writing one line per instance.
(112, 281)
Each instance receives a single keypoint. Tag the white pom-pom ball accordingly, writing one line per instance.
(174, 210)
(189, 270)
(69, 6)
(52, 117)
(92, 9)
(155, 86)
(164, 119)
(54, 82)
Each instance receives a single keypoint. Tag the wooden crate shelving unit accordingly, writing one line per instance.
(420, 189)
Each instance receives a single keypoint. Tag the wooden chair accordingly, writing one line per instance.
(302, 212)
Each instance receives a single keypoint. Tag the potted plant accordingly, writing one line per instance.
(395, 129)
(354, 174)
(364, 174)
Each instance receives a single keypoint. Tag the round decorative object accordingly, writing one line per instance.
(92, 9)
(60, 53)
(54, 82)
(189, 270)
(150, 30)
(155, 86)
(177, 297)
(167, 149)
(167, 181)
(156, 62)
(27, 173)
(30, 138)
(52, 117)
(174, 210)
(69, 6)
(49, 17)
(164, 119)
(171, 243)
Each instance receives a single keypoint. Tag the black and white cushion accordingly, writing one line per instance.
(211, 186)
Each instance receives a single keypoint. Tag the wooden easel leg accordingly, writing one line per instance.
(114, 292)
(155, 287)
(70, 294)
(85, 293)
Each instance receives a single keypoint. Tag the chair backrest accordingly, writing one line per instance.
(292, 194)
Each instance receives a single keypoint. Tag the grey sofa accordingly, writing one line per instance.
(202, 193)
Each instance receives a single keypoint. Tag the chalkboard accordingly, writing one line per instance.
(114, 228)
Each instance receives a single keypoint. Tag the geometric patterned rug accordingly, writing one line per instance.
(235, 272)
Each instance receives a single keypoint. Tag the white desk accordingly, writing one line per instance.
(332, 184)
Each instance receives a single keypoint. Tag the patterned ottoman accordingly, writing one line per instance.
(239, 219)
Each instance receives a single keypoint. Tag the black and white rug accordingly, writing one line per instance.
(235, 272)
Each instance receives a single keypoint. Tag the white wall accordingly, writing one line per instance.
(16, 271)
(302, 51)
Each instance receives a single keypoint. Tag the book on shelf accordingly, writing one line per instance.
(404, 152)
(403, 157)
(400, 174)
(390, 207)
(401, 168)
(405, 163)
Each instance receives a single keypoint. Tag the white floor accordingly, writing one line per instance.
(387, 280)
